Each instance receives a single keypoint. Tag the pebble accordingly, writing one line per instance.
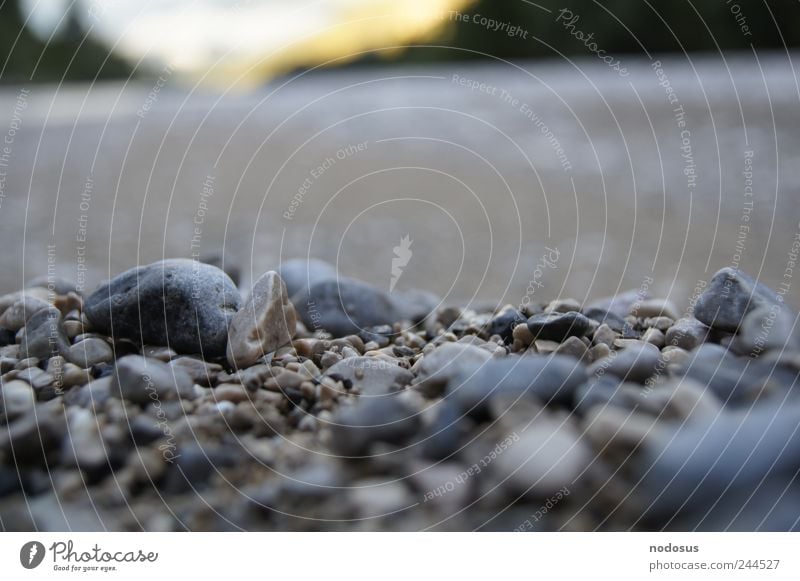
(83, 447)
(559, 326)
(43, 335)
(573, 347)
(266, 322)
(90, 352)
(15, 316)
(445, 435)
(686, 333)
(768, 328)
(620, 304)
(636, 363)
(435, 370)
(604, 335)
(563, 306)
(603, 317)
(371, 375)
(180, 303)
(343, 307)
(141, 381)
(17, 398)
(384, 419)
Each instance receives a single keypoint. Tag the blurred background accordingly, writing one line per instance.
(638, 140)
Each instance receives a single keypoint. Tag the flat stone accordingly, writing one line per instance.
(15, 316)
(179, 303)
(43, 335)
(686, 333)
(371, 375)
(141, 380)
(266, 322)
(300, 273)
(343, 307)
(90, 352)
(450, 360)
(563, 306)
(559, 326)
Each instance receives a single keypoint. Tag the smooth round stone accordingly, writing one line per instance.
(140, 380)
(551, 380)
(90, 352)
(266, 322)
(372, 420)
(654, 337)
(435, 370)
(17, 398)
(522, 334)
(636, 363)
(92, 394)
(300, 273)
(687, 467)
(549, 455)
(559, 326)
(686, 333)
(504, 323)
(371, 375)
(730, 295)
(563, 306)
(179, 303)
(655, 308)
(343, 307)
(445, 435)
(8, 300)
(601, 391)
(43, 335)
(34, 439)
(15, 316)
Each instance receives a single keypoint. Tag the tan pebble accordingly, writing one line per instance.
(654, 337)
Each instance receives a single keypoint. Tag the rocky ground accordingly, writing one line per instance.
(166, 401)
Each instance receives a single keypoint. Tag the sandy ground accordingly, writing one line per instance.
(485, 167)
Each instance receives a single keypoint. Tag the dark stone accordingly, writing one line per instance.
(559, 326)
(446, 434)
(343, 307)
(687, 469)
(414, 305)
(7, 337)
(380, 334)
(552, 380)
(44, 335)
(179, 303)
(730, 295)
(614, 321)
(503, 324)
(601, 391)
(299, 273)
(377, 419)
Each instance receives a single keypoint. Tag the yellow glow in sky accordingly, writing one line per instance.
(246, 41)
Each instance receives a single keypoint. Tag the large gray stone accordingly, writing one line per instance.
(180, 303)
